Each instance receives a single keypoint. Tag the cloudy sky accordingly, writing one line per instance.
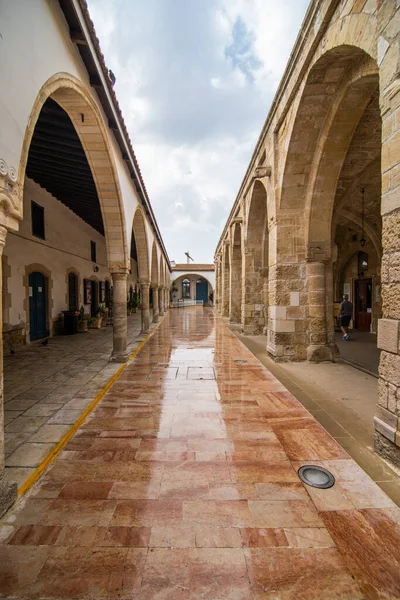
(195, 80)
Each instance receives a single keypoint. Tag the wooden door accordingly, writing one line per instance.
(37, 306)
(363, 308)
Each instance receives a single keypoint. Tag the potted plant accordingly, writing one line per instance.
(82, 324)
(174, 289)
(98, 319)
(135, 301)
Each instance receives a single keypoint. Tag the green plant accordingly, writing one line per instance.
(101, 311)
(82, 317)
(91, 321)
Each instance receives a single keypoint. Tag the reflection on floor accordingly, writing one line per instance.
(47, 388)
(360, 350)
(342, 399)
(183, 484)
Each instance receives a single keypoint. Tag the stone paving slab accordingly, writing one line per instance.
(186, 488)
(48, 387)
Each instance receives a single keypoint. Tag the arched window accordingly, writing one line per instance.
(185, 288)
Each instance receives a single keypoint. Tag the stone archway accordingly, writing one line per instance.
(88, 122)
(140, 235)
(255, 263)
(235, 308)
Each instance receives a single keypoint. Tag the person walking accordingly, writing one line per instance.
(345, 315)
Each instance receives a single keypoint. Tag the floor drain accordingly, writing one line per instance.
(316, 476)
(240, 362)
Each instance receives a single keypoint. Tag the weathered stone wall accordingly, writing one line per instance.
(332, 130)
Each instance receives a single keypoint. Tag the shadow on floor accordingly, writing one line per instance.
(360, 350)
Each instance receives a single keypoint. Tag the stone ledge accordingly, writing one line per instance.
(384, 429)
(386, 416)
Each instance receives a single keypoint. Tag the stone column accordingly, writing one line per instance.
(145, 298)
(155, 303)
(8, 489)
(225, 281)
(253, 315)
(387, 416)
(161, 301)
(235, 308)
(120, 323)
(318, 349)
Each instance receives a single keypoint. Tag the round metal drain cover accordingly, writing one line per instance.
(240, 362)
(316, 476)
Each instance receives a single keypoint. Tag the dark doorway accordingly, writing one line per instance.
(95, 299)
(108, 299)
(37, 306)
(72, 291)
(363, 308)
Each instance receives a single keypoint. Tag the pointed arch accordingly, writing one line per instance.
(155, 278)
(140, 236)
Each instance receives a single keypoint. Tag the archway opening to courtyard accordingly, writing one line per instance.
(192, 288)
(61, 246)
(235, 296)
(254, 312)
(334, 154)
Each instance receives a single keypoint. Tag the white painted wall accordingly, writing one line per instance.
(35, 45)
(67, 245)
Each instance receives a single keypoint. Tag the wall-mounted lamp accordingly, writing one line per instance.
(96, 269)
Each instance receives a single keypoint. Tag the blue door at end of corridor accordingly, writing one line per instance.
(202, 290)
(37, 306)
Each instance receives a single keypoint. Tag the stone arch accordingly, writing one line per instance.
(139, 231)
(155, 277)
(255, 269)
(161, 271)
(84, 113)
(235, 308)
(334, 82)
(340, 87)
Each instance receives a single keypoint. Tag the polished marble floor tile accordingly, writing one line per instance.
(182, 484)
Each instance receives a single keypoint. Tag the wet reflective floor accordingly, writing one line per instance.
(182, 484)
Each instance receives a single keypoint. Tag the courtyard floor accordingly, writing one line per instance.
(342, 399)
(182, 484)
(47, 388)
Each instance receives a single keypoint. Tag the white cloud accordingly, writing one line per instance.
(195, 81)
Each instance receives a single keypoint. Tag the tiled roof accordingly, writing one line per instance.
(193, 267)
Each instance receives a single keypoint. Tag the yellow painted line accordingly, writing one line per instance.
(60, 445)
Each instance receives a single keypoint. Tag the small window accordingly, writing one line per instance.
(93, 251)
(37, 220)
(186, 288)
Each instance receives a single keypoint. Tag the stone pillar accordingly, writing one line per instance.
(225, 281)
(120, 323)
(318, 349)
(387, 417)
(155, 304)
(253, 315)
(145, 298)
(8, 489)
(161, 301)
